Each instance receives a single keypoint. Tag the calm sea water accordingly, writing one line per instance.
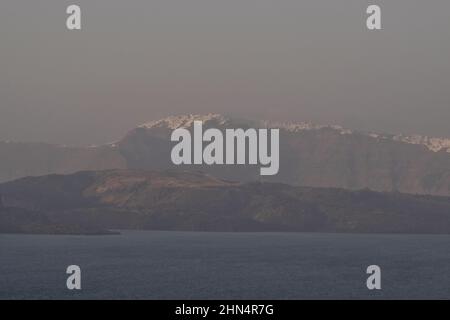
(192, 265)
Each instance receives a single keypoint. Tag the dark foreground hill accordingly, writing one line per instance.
(95, 201)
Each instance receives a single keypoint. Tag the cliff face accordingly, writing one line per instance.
(317, 156)
(173, 200)
(310, 155)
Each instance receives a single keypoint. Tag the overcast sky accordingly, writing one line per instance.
(139, 60)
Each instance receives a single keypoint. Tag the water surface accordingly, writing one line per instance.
(195, 265)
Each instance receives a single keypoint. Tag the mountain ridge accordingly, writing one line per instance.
(434, 144)
(310, 155)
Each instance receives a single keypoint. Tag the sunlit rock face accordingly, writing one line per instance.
(312, 155)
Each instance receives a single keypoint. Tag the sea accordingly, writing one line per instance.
(213, 265)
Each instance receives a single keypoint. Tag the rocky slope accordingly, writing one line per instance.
(310, 155)
(181, 200)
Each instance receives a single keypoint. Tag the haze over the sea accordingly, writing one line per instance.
(140, 60)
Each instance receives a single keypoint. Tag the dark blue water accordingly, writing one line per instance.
(191, 265)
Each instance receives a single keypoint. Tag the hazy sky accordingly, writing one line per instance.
(139, 60)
